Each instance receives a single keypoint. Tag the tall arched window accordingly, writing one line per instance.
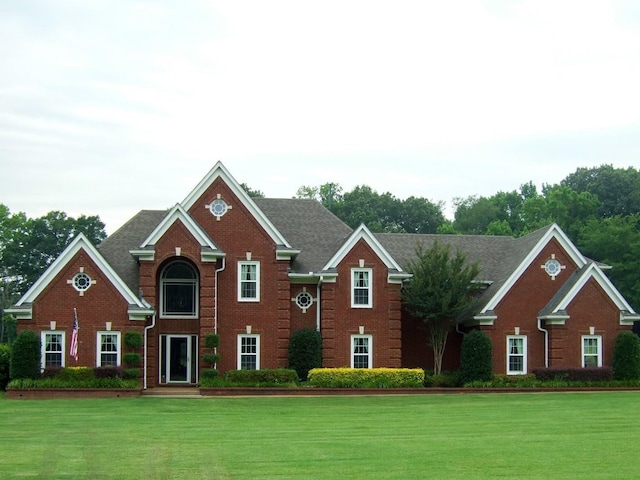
(179, 291)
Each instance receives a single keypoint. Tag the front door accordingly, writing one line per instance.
(178, 359)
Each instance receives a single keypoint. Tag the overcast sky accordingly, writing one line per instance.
(109, 107)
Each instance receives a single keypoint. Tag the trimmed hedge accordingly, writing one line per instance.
(601, 374)
(27, 383)
(257, 377)
(25, 355)
(626, 356)
(475, 357)
(5, 362)
(366, 378)
(305, 351)
(133, 339)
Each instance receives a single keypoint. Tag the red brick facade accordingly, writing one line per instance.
(214, 245)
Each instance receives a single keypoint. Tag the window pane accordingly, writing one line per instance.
(179, 298)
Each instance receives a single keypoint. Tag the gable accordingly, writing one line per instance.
(138, 309)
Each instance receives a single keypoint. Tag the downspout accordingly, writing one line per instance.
(215, 304)
(318, 299)
(146, 331)
(546, 343)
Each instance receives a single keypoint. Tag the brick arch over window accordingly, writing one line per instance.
(179, 286)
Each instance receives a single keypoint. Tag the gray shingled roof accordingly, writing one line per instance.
(307, 226)
(115, 248)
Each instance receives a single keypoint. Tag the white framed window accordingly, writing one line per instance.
(53, 344)
(248, 352)
(179, 291)
(248, 281)
(361, 351)
(108, 349)
(591, 351)
(361, 292)
(516, 354)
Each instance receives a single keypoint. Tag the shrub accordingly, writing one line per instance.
(26, 383)
(626, 356)
(131, 373)
(276, 376)
(75, 374)
(211, 340)
(366, 377)
(211, 358)
(442, 380)
(25, 356)
(5, 361)
(574, 374)
(132, 360)
(305, 351)
(210, 374)
(133, 340)
(108, 372)
(475, 357)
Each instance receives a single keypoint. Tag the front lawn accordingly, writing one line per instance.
(560, 435)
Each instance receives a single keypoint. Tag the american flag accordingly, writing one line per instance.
(73, 349)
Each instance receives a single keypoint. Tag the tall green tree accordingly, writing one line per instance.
(439, 292)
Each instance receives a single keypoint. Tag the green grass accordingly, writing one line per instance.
(559, 435)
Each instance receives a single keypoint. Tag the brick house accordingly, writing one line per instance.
(256, 270)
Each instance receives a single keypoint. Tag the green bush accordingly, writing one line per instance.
(5, 361)
(210, 374)
(75, 374)
(211, 358)
(626, 356)
(27, 383)
(133, 340)
(267, 376)
(131, 373)
(211, 340)
(366, 377)
(132, 360)
(305, 351)
(25, 356)
(442, 380)
(475, 357)
(601, 374)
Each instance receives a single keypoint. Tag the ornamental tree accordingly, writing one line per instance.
(440, 291)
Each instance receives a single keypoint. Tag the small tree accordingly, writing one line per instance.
(439, 292)
(305, 351)
(133, 360)
(211, 340)
(626, 356)
(25, 356)
(475, 357)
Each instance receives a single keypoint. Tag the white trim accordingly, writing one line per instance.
(554, 232)
(242, 263)
(599, 344)
(79, 243)
(257, 352)
(369, 350)
(524, 355)
(363, 233)
(99, 352)
(369, 287)
(43, 345)
(220, 171)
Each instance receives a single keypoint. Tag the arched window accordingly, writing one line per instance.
(179, 291)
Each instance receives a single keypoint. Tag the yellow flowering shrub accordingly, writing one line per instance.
(366, 377)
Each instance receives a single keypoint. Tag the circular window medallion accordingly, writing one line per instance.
(552, 267)
(81, 281)
(218, 207)
(304, 300)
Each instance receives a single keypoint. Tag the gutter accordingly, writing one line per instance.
(546, 343)
(146, 331)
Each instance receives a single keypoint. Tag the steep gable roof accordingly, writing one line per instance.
(556, 309)
(137, 307)
(220, 171)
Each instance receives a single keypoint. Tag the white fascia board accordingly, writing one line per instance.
(363, 233)
(220, 171)
(178, 213)
(286, 253)
(554, 231)
(398, 277)
(79, 243)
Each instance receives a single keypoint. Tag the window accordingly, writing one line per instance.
(108, 354)
(179, 291)
(52, 349)
(361, 288)
(591, 351)
(361, 351)
(248, 281)
(248, 352)
(516, 355)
